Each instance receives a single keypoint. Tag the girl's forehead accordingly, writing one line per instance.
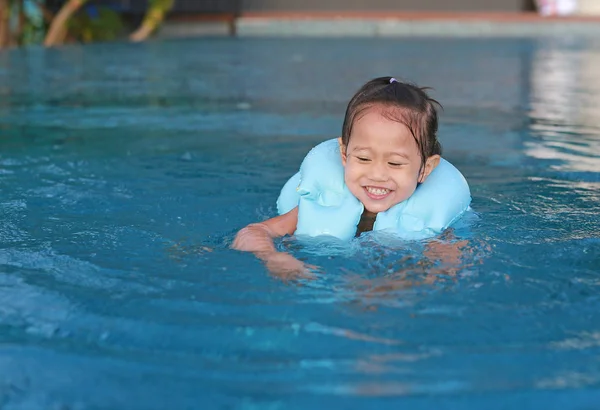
(377, 131)
(399, 141)
(378, 123)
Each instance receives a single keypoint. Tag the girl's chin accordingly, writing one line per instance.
(375, 209)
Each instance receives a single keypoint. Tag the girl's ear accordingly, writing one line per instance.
(432, 162)
(342, 151)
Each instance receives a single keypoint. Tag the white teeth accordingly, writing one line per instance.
(377, 191)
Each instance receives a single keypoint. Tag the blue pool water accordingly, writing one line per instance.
(126, 170)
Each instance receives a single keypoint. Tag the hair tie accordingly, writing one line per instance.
(393, 80)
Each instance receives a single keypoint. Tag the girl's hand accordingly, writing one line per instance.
(254, 238)
(286, 267)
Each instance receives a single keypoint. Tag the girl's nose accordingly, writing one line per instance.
(378, 172)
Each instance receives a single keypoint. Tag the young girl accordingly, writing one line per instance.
(388, 147)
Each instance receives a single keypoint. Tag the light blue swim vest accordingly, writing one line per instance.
(327, 207)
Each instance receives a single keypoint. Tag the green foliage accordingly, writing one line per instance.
(28, 21)
(107, 26)
(161, 4)
(34, 27)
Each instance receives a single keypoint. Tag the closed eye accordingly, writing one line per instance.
(363, 159)
(395, 164)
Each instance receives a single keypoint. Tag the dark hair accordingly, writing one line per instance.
(413, 108)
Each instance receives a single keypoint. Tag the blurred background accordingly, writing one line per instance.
(55, 22)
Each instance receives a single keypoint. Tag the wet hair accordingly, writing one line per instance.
(408, 104)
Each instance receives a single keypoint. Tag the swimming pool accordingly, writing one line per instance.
(127, 169)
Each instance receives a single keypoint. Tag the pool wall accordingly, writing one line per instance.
(381, 24)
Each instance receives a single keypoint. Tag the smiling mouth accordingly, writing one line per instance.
(377, 193)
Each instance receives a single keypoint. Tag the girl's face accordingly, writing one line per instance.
(382, 161)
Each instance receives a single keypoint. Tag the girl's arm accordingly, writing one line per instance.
(258, 237)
